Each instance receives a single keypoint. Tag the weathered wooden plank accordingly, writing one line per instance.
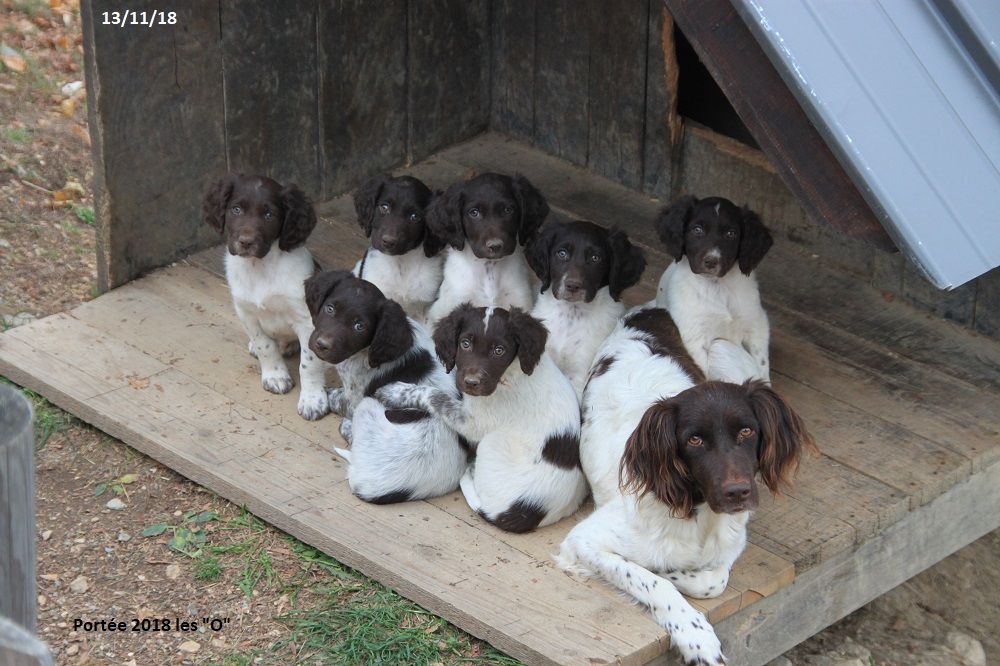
(617, 90)
(449, 73)
(987, 317)
(513, 74)
(362, 90)
(913, 465)
(777, 122)
(167, 103)
(663, 125)
(956, 305)
(17, 509)
(562, 55)
(272, 124)
(854, 578)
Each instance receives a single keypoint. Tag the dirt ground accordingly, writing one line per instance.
(121, 536)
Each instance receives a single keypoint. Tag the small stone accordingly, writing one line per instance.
(969, 650)
(115, 504)
(79, 585)
(124, 536)
(4, 243)
(219, 644)
(72, 649)
(42, 600)
(189, 646)
(71, 88)
(46, 535)
(50, 577)
(178, 513)
(173, 571)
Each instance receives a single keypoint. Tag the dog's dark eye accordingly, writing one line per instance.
(236, 210)
(745, 433)
(508, 210)
(383, 208)
(695, 440)
(698, 230)
(731, 233)
(499, 350)
(474, 213)
(268, 215)
(466, 343)
(562, 254)
(359, 326)
(414, 217)
(595, 258)
(328, 308)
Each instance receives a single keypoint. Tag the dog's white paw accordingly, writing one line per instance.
(313, 406)
(693, 637)
(347, 432)
(335, 398)
(277, 383)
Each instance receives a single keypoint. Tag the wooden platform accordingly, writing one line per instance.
(904, 408)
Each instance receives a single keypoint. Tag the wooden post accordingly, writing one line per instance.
(17, 512)
(19, 648)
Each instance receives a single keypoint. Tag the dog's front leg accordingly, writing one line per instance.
(703, 584)
(757, 345)
(432, 399)
(274, 375)
(313, 401)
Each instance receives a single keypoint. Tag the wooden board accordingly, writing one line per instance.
(158, 135)
(512, 78)
(269, 57)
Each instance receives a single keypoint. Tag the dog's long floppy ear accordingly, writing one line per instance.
(755, 240)
(652, 462)
(393, 336)
(670, 224)
(433, 244)
(783, 436)
(319, 286)
(365, 200)
(444, 216)
(446, 334)
(300, 218)
(627, 263)
(539, 254)
(532, 205)
(216, 201)
(530, 335)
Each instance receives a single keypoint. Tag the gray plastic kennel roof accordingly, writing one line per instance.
(907, 95)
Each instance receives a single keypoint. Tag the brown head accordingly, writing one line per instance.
(393, 214)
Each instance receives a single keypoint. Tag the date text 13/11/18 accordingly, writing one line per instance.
(144, 18)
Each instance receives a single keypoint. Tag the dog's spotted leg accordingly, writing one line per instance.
(313, 401)
(400, 395)
(274, 375)
(703, 584)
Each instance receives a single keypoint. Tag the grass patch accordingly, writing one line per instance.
(20, 135)
(207, 568)
(85, 214)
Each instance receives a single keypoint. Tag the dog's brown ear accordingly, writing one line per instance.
(319, 286)
(627, 263)
(755, 241)
(670, 224)
(446, 334)
(539, 254)
(216, 201)
(299, 220)
(530, 335)
(444, 216)
(366, 199)
(783, 435)
(433, 243)
(652, 462)
(532, 206)
(393, 336)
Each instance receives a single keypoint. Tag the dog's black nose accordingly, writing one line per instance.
(471, 380)
(572, 286)
(389, 242)
(322, 344)
(494, 245)
(736, 491)
(711, 263)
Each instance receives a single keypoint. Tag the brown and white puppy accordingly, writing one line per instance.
(672, 461)
(708, 298)
(584, 268)
(396, 454)
(265, 226)
(405, 259)
(486, 221)
(517, 405)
